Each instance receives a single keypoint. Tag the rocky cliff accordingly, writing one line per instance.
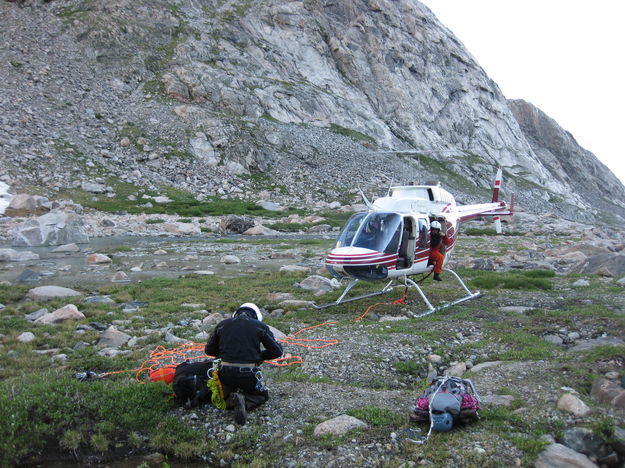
(566, 160)
(309, 99)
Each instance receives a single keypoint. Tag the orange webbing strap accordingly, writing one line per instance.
(401, 300)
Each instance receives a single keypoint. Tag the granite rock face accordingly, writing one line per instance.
(309, 97)
(565, 160)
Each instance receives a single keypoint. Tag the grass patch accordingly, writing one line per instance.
(12, 293)
(355, 134)
(407, 367)
(174, 436)
(183, 203)
(376, 416)
(524, 280)
(490, 232)
(603, 352)
(56, 407)
(523, 346)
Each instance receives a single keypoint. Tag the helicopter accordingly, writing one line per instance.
(391, 241)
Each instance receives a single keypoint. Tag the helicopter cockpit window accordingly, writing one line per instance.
(380, 232)
(349, 231)
(423, 233)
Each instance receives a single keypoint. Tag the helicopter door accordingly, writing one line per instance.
(407, 246)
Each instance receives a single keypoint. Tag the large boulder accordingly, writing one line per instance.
(181, 228)
(319, 284)
(260, 230)
(54, 228)
(27, 205)
(560, 456)
(607, 391)
(236, 224)
(604, 264)
(44, 293)
(68, 312)
(10, 255)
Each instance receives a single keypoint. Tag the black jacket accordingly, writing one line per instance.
(238, 340)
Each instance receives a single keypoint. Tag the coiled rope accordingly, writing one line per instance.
(164, 360)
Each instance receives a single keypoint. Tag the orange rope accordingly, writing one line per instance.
(401, 300)
(301, 341)
(161, 356)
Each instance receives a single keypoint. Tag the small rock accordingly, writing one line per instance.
(35, 315)
(457, 369)
(435, 359)
(120, 277)
(26, 337)
(230, 259)
(573, 405)
(484, 365)
(295, 269)
(608, 391)
(338, 426)
(99, 300)
(553, 339)
(65, 248)
(113, 338)
(28, 276)
(98, 259)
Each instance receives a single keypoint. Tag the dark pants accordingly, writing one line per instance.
(244, 380)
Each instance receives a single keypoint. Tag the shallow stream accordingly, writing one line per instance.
(142, 258)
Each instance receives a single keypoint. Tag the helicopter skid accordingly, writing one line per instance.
(352, 283)
(431, 309)
(408, 283)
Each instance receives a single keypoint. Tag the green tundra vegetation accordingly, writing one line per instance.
(45, 410)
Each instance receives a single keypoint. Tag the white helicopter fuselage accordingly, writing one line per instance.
(400, 245)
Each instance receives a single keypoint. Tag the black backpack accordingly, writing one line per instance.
(190, 383)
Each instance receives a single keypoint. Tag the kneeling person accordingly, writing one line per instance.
(236, 341)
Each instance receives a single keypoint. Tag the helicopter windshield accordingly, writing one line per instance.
(375, 231)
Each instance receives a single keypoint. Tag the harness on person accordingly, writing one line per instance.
(446, 401)
(215, 387)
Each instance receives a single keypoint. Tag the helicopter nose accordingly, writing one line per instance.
(357, 256)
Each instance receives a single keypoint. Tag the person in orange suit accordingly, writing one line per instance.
(438, 240)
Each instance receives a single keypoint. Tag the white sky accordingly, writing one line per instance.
(567, 57)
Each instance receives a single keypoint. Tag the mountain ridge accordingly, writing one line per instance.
(208, 96)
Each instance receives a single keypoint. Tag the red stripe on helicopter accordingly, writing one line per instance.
(363, 259)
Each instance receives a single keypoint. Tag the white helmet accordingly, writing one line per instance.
(435, 225)
(249, 309)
